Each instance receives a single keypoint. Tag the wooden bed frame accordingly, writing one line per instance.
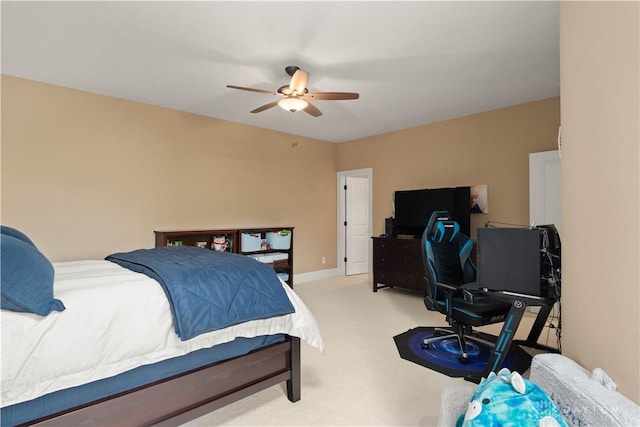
(176, 400)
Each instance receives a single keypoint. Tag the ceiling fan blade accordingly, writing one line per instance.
(299, 81)
(311, 109)
(270, 92)
(331, 95)
(265, 107)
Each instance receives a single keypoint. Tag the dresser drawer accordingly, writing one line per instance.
(398, 245)
(397, 254)
(397, 263)
(399, 279)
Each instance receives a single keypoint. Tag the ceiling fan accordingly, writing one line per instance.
(296, 96)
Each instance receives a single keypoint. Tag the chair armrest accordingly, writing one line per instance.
(471, 286)
(448, 293)
(469, 292)
(447, 287)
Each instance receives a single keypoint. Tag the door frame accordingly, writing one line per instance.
(538, 187)
(342, 178)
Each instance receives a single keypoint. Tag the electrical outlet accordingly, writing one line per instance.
(324, 260)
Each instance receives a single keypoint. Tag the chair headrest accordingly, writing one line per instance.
(441, 228)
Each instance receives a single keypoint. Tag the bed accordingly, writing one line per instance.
(101, 345)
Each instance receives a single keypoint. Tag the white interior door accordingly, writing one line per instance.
(357, 234)
(545, 189)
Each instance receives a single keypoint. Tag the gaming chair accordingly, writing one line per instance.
(450, 275)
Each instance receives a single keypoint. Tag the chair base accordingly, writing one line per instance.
(449, 333)
(462, 338)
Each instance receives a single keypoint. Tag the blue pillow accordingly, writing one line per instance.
(8, 231)
(27, 278)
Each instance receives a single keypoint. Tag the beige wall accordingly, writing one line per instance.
(490, 148)
(599, 50)
(85, 175)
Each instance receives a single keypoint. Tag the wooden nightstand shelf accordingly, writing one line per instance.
(245, 241)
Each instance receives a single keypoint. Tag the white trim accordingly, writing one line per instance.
(545, 195)
(342, 177)
(314, 275)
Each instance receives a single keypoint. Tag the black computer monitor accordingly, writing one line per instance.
(509, 259)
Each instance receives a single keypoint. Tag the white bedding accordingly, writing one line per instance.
(115, 320)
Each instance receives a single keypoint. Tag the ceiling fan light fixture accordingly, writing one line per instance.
(293, 104)
(294, 94)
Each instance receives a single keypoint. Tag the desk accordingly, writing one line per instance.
(519, 302)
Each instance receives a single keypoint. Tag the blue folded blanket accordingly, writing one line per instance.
(209, 290)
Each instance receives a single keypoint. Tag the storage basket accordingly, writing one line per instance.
(250, 242)
(280, 239)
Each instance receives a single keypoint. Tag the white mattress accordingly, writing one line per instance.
(115, 320)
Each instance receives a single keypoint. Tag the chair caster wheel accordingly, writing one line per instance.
(463, 360)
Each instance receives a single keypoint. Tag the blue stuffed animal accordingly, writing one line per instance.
(506, 399)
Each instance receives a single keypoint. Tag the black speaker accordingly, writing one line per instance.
(389, 228)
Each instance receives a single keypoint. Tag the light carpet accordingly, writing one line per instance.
(359, 380)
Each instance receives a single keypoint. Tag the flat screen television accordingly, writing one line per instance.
(414, 207)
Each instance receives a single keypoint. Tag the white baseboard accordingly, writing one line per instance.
(314, 275)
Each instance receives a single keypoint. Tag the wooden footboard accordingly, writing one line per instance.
(176, 400)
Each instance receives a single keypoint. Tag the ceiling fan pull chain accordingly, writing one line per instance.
(293, 131)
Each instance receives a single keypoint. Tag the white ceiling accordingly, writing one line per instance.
(412, 62)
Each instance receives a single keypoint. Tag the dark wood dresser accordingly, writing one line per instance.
(397, 263)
